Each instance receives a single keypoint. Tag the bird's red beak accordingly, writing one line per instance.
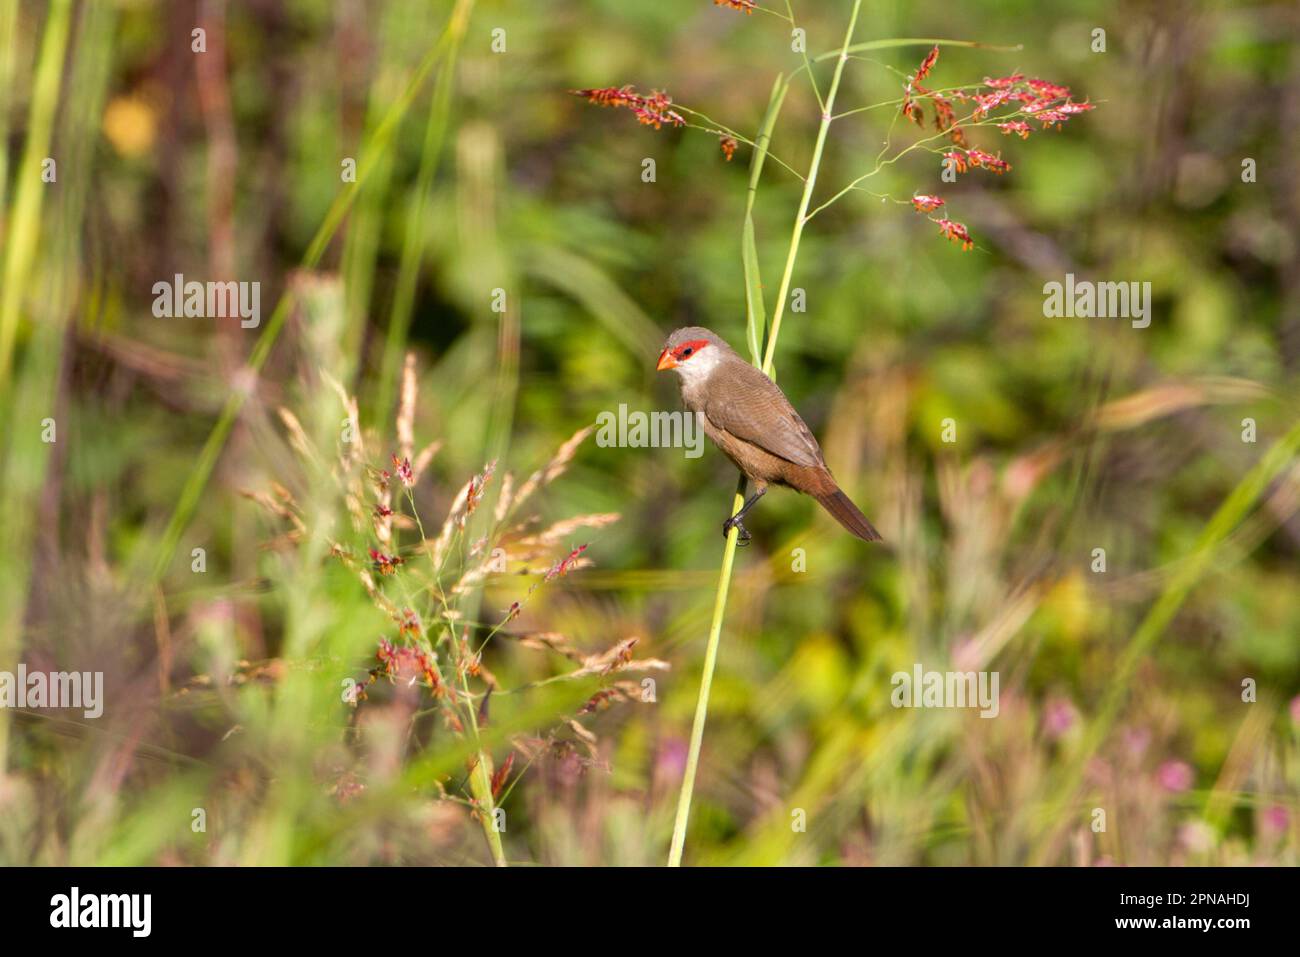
(666, 361)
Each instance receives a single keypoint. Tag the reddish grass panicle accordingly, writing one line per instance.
(426, 584)
(653, 110)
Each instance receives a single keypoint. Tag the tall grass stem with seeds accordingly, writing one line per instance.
(729, 550)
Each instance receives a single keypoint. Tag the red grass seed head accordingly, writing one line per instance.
(927, 65)
(956, 232)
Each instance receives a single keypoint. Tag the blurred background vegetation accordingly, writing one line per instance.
(478, 172)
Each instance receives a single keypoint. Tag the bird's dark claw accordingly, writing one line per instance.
(743, 535)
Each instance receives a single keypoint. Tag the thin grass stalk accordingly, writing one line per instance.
(706, 685)
(729, 551)
(496, 447)
(809, 185)
(497, 444)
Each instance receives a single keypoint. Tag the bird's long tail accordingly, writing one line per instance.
(846, 513)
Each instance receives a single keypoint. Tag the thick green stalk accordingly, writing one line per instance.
(729, 551)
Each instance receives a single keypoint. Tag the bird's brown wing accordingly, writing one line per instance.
(752, 408)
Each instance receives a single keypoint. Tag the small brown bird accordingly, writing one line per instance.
(750, 419)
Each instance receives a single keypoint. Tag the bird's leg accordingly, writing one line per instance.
(736, 520)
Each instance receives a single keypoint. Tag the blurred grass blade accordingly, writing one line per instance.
(24, 454)
(413, 245)
(23, 233)
(48, 279)
(1230, 514)
(598, 293)
(918, 42)
(375, 148)
(8, 57)
(364, 237)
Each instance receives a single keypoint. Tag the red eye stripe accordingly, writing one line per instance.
(688, 349)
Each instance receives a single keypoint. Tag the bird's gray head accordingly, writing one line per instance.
(693, 352)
